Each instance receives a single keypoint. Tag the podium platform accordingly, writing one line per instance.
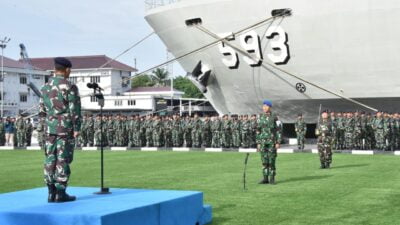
(122, 207)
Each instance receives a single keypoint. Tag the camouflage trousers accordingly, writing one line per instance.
(216, 139)
(268, 159)
(349, 140)
(168, 138)
(90, 136)
(149, 138)
(41, 139)
(157, 139)
(2, 138)
(236, 139)
(110, 138)
(21, 138)
(325, 152)
(196, 138)
(84, 138)
(300, 139)
(380, 139)
(176, 142)
(245, 138)
(206, 139)
(187, 136)
(226, 140)
(59, 155)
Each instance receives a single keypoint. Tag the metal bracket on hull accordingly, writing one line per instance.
(200, 75)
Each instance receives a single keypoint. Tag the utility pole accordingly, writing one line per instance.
(3, 45)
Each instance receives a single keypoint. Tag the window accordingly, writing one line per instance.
(95, 79)
(22, 79)
(93, 99)
(73, 80)
(125, 82)
(23, 97)
(118, 103)
(131, 102)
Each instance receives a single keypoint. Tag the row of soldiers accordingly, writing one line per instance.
(169, 131)
(359, 130)
(21, 128)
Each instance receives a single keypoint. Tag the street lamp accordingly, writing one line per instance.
(3, 45)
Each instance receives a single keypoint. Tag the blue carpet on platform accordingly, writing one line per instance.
(122, 207)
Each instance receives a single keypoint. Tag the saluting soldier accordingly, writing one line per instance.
(268, 141)
(60, 104)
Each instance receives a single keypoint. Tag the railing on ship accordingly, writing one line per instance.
(151, 4)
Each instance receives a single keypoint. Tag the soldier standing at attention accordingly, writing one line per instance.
(324, 134)
(300, 128)
(41, 131)
(20, 125)
(216, 132)
(176, 131)
(378, 125)
(245, 130)
(206, 132)
(235, 129)
(196, 131)
(60, 104)
(90, 130)
(340, 131)
(226, 132)
(268, 141)
(253, 131)
(28, 132)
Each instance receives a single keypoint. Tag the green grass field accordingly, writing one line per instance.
(357, 190)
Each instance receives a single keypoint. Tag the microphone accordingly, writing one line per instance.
(94, 86)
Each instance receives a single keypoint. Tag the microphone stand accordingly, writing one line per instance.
(100, 99)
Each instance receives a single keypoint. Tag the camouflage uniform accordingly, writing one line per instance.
(196, 132)
(157, 132)
(60, 103)
(216, 133)
(149, 131)
(245, 130)
(300, 128)
(235, 131)
(41, 132)
(176, 132)
(206, 133)
(28, 132)
(340, 130)
(83, 132)
(378, 126)
(109, 127)
(349, 133)
(90, 131)
(253, 131)
(167, 125)
(97, 132)
(226, 133)
(269, 135)
(324, 133)
(357, 135)
(21, 127)
(187, 131)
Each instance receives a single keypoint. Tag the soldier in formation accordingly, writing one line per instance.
(325, 136)
(301, 129)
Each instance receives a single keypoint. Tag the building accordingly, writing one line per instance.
(18, 97)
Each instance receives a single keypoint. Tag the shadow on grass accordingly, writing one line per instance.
(305, 178)
(219, 219)
(349, 166)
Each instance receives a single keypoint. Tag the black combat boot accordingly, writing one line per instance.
(264, 180)
(52, 192)
(327, 165)
(61, 196)
(272, 180)
(322, 166)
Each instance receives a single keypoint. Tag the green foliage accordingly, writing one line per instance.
(185, 85)
(142, 81)
(357, 190)
(159, 76)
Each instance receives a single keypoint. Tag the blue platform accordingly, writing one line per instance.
(122, 207)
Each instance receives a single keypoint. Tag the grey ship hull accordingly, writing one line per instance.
(350, 47)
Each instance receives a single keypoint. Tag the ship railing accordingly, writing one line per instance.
(151, 4)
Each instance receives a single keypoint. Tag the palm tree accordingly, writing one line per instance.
(160, 75)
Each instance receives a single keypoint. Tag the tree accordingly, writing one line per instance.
(185, 85)
(142, 81)
(159, 77)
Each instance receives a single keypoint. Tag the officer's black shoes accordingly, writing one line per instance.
(264, 180)
(327, 165)
(52, 192)
(272, 180)
(61, 196)
(322, 166)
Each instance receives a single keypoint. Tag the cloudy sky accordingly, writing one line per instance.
(51, 28)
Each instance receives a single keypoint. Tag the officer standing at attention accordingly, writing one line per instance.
(268, 141)
(324, 134)
(301, 129)
(60, 104)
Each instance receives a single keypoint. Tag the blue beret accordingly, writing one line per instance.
(267, 102)
(63, 62)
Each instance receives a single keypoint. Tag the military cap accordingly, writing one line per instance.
(267, 102)
(62, 62)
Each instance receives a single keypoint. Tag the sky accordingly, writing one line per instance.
(51, 28)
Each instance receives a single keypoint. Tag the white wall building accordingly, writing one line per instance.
(18, 97)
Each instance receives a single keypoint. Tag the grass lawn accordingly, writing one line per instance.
(357, 190)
